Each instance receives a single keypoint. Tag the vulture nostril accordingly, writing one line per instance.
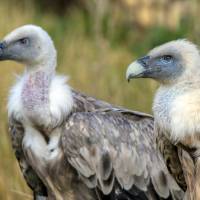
(144, 60)
(2, 45)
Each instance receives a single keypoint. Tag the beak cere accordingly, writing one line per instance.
(134, 70)
(2, 47)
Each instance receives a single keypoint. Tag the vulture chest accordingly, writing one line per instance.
(177, 112)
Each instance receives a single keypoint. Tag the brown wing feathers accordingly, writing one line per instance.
(111, 147)
(107, 146)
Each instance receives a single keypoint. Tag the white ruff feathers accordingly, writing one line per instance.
(185, 115)
(60, 99)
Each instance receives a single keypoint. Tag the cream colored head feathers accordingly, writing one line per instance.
(176, 66)
(171, 62)
(30, 45)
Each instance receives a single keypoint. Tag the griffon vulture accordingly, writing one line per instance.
(176, 66)
(72, 146)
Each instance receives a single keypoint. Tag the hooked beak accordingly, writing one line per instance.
(2, 51)
(138, 68)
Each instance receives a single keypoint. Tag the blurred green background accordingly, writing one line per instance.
(96, 40)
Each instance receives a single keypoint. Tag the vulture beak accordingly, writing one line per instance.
(2, 51)
(138, 68)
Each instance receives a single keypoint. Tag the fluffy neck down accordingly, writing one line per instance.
(41, 98)
(177, 111)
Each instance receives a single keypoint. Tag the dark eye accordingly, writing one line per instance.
(166, 58)
(24, 41)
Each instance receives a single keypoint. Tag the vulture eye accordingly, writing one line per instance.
(166, 59)
(24, 41)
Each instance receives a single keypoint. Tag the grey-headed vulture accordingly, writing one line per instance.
(176, 66)
(72, 146)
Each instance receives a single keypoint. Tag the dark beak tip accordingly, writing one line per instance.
(129, 78)
(2, 45)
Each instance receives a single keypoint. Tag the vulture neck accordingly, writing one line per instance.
(36, 90)
(46, 64)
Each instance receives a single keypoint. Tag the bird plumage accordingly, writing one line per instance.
(72, 146)
(175, 65)
(97, 136)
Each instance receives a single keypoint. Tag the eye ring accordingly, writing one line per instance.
(166, 58)
(24, 41)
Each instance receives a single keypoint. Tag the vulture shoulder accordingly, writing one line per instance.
(116, 146)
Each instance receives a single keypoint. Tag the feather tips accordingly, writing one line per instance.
(110, 145)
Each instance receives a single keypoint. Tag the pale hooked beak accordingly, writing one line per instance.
(137, 68)
(134, 70)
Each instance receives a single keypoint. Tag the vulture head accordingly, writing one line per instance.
(170, 62)
(30, 45)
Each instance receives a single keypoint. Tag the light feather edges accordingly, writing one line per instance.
(110, 147)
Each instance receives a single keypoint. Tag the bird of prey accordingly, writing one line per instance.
(72, 146)
(176, 66)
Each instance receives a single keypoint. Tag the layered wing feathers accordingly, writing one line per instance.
(115, 145)
(106, 145)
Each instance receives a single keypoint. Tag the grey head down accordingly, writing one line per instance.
(92, 140)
